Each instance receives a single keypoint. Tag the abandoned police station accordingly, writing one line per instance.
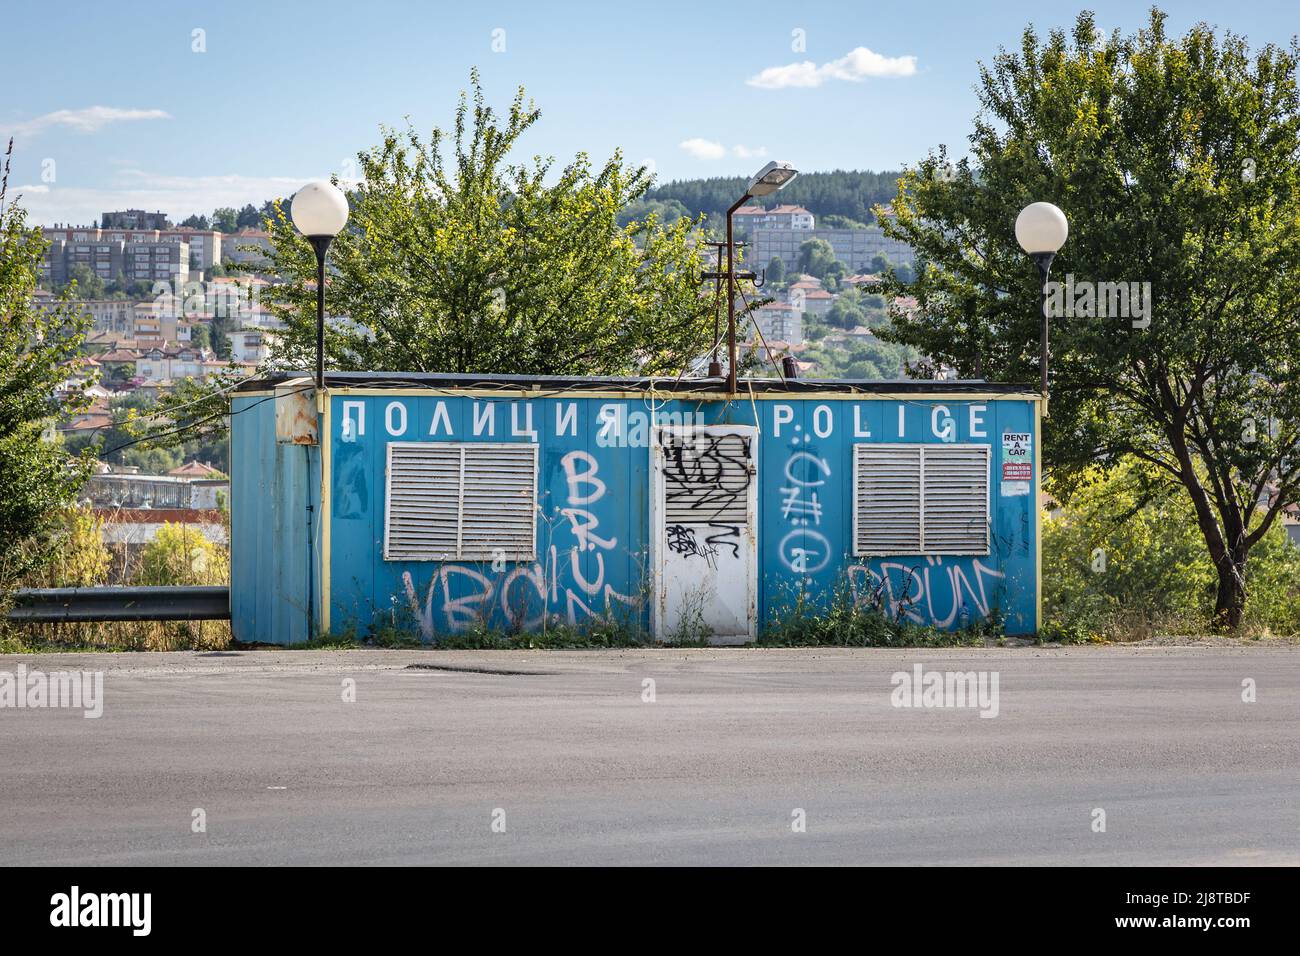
(448, 502)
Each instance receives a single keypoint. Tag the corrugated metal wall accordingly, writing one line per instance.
(269, 540)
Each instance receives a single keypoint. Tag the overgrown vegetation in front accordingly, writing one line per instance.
(78, 557)
(803, 620)
(1123, 560)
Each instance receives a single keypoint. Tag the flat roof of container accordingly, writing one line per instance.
(573, 383)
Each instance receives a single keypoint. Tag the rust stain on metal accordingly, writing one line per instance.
(295, 413)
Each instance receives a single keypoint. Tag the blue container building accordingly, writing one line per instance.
(446, 502)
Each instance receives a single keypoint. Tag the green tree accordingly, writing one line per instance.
(219, 329)
(1177, 161)
(225, 219)
(850, 194)
(80, 559)
(815, 257)
(640, 209)
(456, 260)
(776, 271)
(37, 348)
(834, 275)
(845, 315)
(83, 282)
(1124, 558)
(836, 221)
(180, 554)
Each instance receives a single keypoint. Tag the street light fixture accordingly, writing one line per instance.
(320, 211)
(1041, 230)
(766, 181)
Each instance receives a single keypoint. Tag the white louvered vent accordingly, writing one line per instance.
(452, 501)
(956, 493)
(920, 499)
(887, 499)
(706, 478)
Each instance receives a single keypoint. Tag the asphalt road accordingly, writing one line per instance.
(581, 769)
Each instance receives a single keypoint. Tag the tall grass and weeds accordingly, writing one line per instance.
(839, 619)
(77, 557)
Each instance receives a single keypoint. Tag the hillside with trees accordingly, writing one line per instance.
(848, 195)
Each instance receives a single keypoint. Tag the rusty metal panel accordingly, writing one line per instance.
(295, 413)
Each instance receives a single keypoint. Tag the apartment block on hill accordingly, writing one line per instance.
(856, 248)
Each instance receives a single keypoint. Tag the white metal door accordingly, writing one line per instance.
(704, 528)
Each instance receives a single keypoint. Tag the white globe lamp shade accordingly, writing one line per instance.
(319, 209)
(1041, 227)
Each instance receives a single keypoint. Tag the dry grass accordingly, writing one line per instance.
(116, 636)
(179, 555)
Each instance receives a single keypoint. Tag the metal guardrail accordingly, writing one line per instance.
(52, 605)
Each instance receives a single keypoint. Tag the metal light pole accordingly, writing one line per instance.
(320, 211)
(768, 180)
(1041, 230)
(1044, 262)
(321, 245)
(731, 295)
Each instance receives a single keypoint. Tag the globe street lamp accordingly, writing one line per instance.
(1041, 230)
(766, 181)
(320, 211)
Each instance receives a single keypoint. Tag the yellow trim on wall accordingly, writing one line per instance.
(1038, 513)
(326, 470)
(432, 391)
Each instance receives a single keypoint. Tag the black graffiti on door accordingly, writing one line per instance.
(709, 475)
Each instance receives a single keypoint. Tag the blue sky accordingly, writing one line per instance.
(112, 106)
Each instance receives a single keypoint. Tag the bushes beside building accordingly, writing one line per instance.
(1123, 559)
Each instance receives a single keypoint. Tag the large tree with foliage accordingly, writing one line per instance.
(38, 349)
(1177, 161)
(455, 259)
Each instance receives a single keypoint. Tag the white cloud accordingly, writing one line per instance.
(703, 148)
(87, 120)
(708, 149)
(178, 196)
(857, 65)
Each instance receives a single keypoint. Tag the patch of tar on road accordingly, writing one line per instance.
(467, 669)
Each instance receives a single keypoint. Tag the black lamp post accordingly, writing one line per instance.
(769, 179)
(320, 211)
(1041, 230)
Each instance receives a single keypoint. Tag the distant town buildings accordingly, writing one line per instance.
(249, 247)
(779, 321)
(134, 255)
(749, 218)
(780, 231)
(134, 219)
(116, 489)
(856, 248)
